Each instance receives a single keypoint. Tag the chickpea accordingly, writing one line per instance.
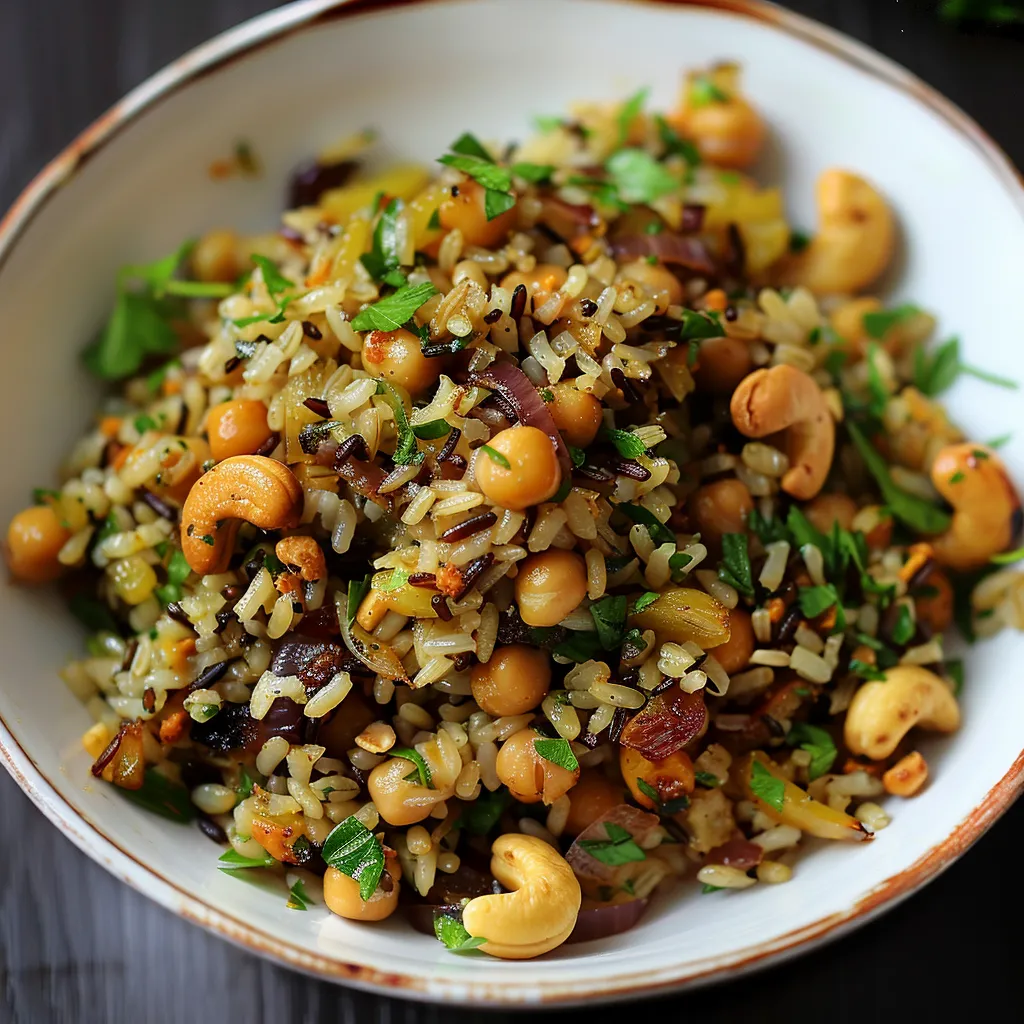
(392, 792)
(671, 777)
(237, 428)
(728, 131)
(341, 894)
(936, 610)
(847, 321)
(735, 653)
(34, 538)
(539, 283)
(515, 680)
(464, 209)
(549, 586)
(531, 778)
(577, 414)
(396, 356)
(721, 364)
(721, 507)
(200, 451)
(533, 474)
(657, 280)
(215, 257)
(591, 798)
(828, 509)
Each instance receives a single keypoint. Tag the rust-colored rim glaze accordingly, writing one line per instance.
(89, 837)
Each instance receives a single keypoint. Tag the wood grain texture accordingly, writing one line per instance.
(78, 946)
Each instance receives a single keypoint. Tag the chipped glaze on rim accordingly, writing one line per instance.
(90, 838)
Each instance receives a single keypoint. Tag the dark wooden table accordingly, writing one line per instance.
(76, 945)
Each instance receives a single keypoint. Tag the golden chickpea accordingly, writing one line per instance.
(848, 322)
(935, 610)
(515, 680)
(397, 357)
(549, 586)
(671, 777)
(735, 653)
(238, 427)
(657, 280)
(540, 282)
(341, 894)
(465, 210)
(200, 451)
(577, 414)
(533, 473)
(721, 364)
(828, 509)
(591, 798)
(720, 507)
(391, 791)
(34, 538)
(215, 257)
(531, 778)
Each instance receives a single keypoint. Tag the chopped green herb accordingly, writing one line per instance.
(818, 743)
(798, 241)
(903, 629)
(469, 145)
(627, 444)
(735, 568)
(144, 423)
(451, 932)
(298, 898)
(1008, 557)
(619, 848)
(557, 751)
(480, 816)
(547, 122)
(675, 144)
(707, 779)
(703, 92)
(397, 580)
(383, 261)
(768, 530)
(878, 322)
(609, 615)
(877, 389)
(535, 173)
(496, 181)
(707, 887)
(701, 325)
(245, 786)
(432, 430)
(679, 561)
(659, 532)
(665, 808)
(1000, 441)
(638, 177)
(814, 601)
(576, 455)
(406, 450)
(645, 600)
(422, 768)
(156, 379)
(996, 12)
(161, 796)
(93, 613)
(230, 860)
(390, 313)
(547, 395)
(495, 456)
(355, 851)
(630, 112)
(654, 228)
(138, 327)
(434, 224)
(40, 495)
(954, 669)
(934, 374)
(766, 787)
(958, 477)
(357, 590)
(866, 671)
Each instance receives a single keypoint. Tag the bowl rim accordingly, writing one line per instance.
(237, 42)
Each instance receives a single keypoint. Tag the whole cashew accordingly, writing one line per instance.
(855, 240)
(882, 712)
(540, 911)
(261, 491)
(973, 479)
(305, 554)
(785, 398)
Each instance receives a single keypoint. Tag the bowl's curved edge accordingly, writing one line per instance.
(92, 840)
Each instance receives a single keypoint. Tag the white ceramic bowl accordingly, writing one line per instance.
(136, 183)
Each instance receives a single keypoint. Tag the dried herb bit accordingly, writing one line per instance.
(619, 848)
(696, 325)
(766, 787)
(818, 743)
(355, 851)
(659, 532)
(390, 313)
(161, 796)
(557, 752)
(495, 456)
(298, 898)
(735, 568)
(230, 860)
(451, 932)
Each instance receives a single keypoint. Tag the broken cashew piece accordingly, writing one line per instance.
(305, 554)
(882, 712)
(855, 240)
(259, 490)
(973, 480)
(784, 398)
(539, 912)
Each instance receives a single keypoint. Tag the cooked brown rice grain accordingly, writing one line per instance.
(271, 754)
(761, 620)
(810, 666)
(775, 659)
(723, 877)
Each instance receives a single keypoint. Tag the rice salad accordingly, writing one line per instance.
(494, 542)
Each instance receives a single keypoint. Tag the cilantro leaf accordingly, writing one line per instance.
(451, 932)
(422, 768)
(383, 261)
(298, 898)
(357, 590)
(735, 568)
(818, 743)
(93, 613)
(535, 173)
(161, 796)
(609, 615)
(557, 751)
(766, 786)
(275, 281)
(480, 816)
(701, 325)
(934, 373)
(630, 112)
(406, 450)
(814, 601)
(138, 327)
(354, 850)
(768, 530)
(432, 430)
(626, 443)
(703, 92)
(903, 629)
(619, 848)
(469, 145)
(866, 671)
(390, 313)
(954, 669)
(645, 600)
(877, 323)
(707, 779)
(638, 177)
(659, 532)
(497, 202)
(675, 144)
(230, 860)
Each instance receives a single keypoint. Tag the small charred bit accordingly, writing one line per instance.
(588, 307)
(310, 180)
(233, 728)
(449, 445)
(351, 447)
(159, 506)
(920, 578)
(618, 723)
(472, 572)
(310, 330)
(518, 304)
(223, 617)
(656, 323)
(427, 580)
(469, 527)
(319, 407)
(512, 629)
(493, 316)
(788, 624)
(625, 385)
(211, 829)
(209, 676)
(440, 605)
(232, 592)
(693, 217)
(269, 445)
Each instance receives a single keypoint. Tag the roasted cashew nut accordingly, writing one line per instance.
(538, 913)
(785, 398)
(855, 241)
(305, 554)
(986, 508)
(261, 491)
(883, 712)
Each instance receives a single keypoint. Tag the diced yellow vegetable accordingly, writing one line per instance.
(403, 180)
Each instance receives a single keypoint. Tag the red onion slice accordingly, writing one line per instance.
(602, 922)
(736, 853)
(668, 247)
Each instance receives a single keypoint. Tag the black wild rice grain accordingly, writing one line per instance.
(588, 307)
(457, 460)
(736, 263)
(133, 646)
(625, 385)
(518, 304)
(455, 191)
(310, 180)
(665, 684)
(440, 605)
(449, 445)
(310, 330)
(659, 323)
(427, 580)
(627, 467)
(159, 506)
(775, 727)
(731, 313)
(223, 618)
(493, 316)
(921, 576)
(589, 739)
(269, 445)
(618, 723)
(232, 364)
(472, 572)
(504, 406)
(351, 446)
(211, 829)
(592, 472)
(318, 406)
(208, 676)
(469, 527)
(176, 612)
